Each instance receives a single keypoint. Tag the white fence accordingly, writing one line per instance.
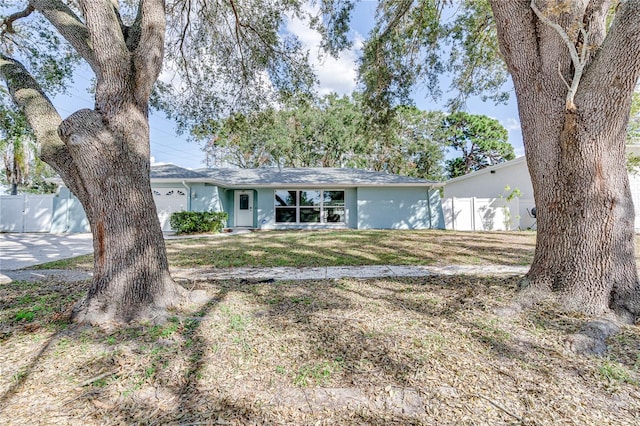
(487, 214)
(26, 213)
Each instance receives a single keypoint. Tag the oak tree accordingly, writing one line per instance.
(574, 73)
(479, 141)
(103, 154)
(574, 67)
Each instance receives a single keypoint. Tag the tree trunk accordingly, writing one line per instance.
(103, 155)
(575, 147)
(131, 277)
(585, 243)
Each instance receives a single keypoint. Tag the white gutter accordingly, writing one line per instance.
(189, 196)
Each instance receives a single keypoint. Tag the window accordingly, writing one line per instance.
(309, 206)
(244, 202)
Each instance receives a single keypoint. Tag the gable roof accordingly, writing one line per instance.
(308, 178)
(488, 169)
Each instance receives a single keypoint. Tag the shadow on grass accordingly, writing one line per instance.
(350, 247)
(376, 332)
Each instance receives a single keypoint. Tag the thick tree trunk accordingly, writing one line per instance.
(585, 245)
(103, 154)
(131, 276)
(574, 105)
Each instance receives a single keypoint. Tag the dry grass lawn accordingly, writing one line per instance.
(427, 351)
(341, 248)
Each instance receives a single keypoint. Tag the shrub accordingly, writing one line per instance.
(194, 222)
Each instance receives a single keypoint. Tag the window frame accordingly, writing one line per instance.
(320, 206)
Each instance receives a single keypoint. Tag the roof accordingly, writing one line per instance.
(289, 177)
(171, 171)
(308, 177)
(488, 169)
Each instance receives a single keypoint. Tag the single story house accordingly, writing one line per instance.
(491, 183)
(287, 198)
(311, 198)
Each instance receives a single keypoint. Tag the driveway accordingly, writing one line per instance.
(22, 250)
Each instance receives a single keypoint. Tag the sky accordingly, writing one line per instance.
(335, 75)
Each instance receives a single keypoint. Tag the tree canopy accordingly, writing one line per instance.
(336, 132)
(414, 43)
(481, 141)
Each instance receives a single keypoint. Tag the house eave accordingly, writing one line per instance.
(486, 170)
(180, 180)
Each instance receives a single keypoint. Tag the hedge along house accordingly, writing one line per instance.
(321, 198)
(272, 198)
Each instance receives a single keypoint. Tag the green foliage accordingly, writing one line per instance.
(633, 163)
(33, 41)
(613, 373)
(405, 50)
(197, 222)
(510, 196)
(329, 132)
(241, 56)
(481, 141)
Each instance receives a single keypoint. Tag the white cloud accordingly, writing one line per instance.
(335, 74)
(511, 124)
(515, 134)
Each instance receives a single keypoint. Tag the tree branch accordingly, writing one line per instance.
(148, 54)
(9, 20)
(69, 26)
(238, 33)
(110, 50)
(516, 30)
(618, 58)
(29, 97)
(43, 119)
(579, 60)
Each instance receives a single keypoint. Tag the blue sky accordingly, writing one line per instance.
(335, 75)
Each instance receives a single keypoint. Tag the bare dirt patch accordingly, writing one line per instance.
(377, 351)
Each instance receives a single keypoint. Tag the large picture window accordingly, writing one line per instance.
(309, 206)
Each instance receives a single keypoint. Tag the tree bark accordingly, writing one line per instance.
(131, 276)
(585, 255)
(103, 155)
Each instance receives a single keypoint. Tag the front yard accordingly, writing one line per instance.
(350, 351)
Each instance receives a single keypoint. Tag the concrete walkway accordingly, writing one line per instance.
(335, 272)
(22, 250)
(285, 274)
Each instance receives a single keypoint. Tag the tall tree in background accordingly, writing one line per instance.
(330, 132)
(407, 142)
(482, 141)
(574, 65)
(103, 154)
(22, 168)
(15, 141)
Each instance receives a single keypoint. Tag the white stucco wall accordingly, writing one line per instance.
(515, 174)
(491, 181)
